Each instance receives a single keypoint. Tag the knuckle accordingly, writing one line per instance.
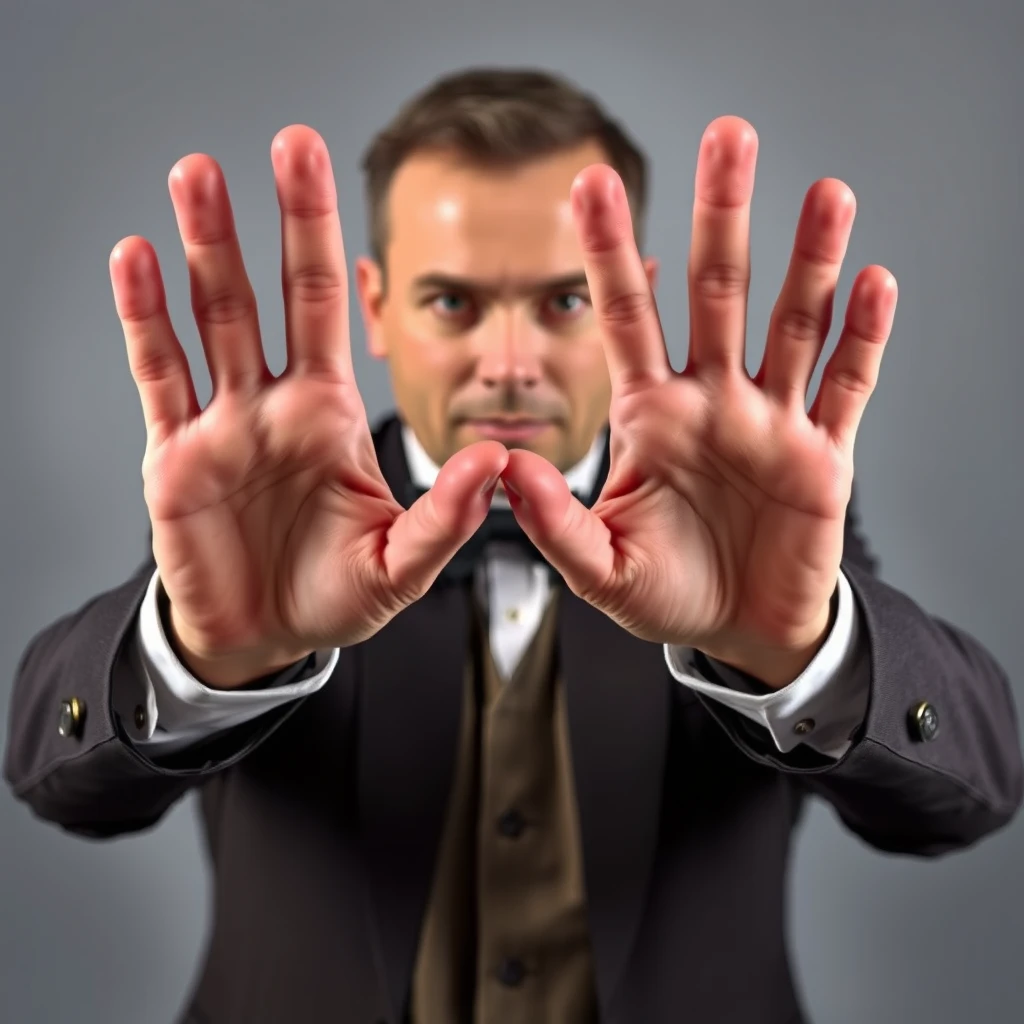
(800, 325)
(154, 366)
(872, 332)
(224, 307)
(376, 591)
(627, 308)
(315, 206)
(720, 281)
(853, 381)
(206, 239)
(317, 284)
(134, 313)
(604, 239)
(818, 254)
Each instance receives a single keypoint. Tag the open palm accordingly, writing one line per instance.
(721, 523)
(274, 532)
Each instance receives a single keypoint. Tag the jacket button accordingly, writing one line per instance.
(72, 715)
(512, 972)
(511, 824)
(924, 722)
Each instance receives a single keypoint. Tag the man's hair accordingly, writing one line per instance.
(497, 118)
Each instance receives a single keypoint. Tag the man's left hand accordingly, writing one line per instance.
(721, 523)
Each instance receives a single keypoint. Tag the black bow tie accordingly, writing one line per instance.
(500, 525)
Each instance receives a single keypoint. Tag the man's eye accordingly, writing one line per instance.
(568, 303)
(450, 304)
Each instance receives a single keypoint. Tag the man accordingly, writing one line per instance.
(506, 710)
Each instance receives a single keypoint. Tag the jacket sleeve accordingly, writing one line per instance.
(87, 776)
(936, 764)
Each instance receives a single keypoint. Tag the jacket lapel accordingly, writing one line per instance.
(412, 675)
(411, 691)
(618, 692)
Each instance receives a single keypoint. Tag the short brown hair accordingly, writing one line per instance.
(498, 117)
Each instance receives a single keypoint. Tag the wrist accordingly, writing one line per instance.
(778, 665)
(224, 670)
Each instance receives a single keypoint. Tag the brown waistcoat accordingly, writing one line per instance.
(505, 935)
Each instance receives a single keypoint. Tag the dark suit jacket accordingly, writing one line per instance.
(322, 819)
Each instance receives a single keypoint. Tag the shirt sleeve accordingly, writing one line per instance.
(164, 708)
(822, 708)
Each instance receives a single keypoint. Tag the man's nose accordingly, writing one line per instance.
(510, 353)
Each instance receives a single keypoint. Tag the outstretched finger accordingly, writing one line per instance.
(850, 376)
(619, 287)
(222, 296)
(803, 314)
(314, 275)
(156, 359)
(719, 263)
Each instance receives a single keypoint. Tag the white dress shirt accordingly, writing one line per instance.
(164, 708)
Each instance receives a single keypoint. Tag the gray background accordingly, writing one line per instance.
(913, 104)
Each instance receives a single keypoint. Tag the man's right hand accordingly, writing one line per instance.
(274, 531)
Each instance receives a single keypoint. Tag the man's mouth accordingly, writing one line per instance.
(501, 429)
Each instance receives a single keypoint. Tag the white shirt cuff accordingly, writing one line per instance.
(163, 705)
(822, 708)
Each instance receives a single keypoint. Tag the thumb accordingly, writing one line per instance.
(423, 538)
(567, 533)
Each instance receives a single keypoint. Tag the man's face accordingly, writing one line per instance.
(486, 323)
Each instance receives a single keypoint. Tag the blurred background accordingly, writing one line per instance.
(911, 102)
